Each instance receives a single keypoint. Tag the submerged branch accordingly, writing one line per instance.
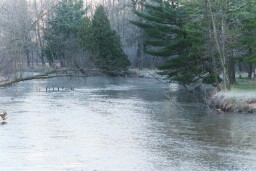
(174, 102)
(153, 76)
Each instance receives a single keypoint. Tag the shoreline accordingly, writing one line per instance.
(236, 100)
(232, 101)
(44, 73)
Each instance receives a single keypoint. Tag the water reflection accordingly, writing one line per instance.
(119, 124)
(3, 123)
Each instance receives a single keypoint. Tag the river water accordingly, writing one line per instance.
(118, 124)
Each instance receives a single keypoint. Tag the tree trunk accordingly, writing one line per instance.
(240, 68)
(254, 76)
(210, 50)
(27, 55)
(140, 53)
(220, 43)
(250, 71)
(26, 47)
(39, 35)
(231, 71)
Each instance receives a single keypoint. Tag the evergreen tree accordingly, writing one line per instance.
(171, 33)
(85, 33)
(248, 36)
(62, 29)
(106, 45)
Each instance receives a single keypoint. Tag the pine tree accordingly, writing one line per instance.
(62, 29)
(248, 37)
(85, 33)
(169, 34)
(106, 45)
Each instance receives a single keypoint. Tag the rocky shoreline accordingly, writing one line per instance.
(244, 102)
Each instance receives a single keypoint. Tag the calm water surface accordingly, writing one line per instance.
(118, 124)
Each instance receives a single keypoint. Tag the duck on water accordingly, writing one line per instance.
(3, 115)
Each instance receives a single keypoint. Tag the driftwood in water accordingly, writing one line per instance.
(175, 103)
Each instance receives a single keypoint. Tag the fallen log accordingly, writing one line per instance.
(39, 76)
(42, 76)
(85, 72)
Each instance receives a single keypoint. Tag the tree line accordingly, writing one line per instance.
(202, 40)
(27, 26)
(189, 40)
(58, 33)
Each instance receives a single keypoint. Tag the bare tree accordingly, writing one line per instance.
(219, 33)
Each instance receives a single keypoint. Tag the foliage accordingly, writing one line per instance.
(84, 29)
(61, 27)
(171, 32)
(106, 46)
(248, 38)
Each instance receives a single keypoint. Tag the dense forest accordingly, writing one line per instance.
(190, 41)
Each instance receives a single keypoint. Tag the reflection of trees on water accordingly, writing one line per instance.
(221, 140)
(128, 88)
(16, 90)
(201, 134)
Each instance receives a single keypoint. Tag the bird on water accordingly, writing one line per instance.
(3, 115)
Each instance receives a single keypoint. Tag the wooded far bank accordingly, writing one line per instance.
(190, 41)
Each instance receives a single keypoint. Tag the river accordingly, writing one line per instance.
(119, 124)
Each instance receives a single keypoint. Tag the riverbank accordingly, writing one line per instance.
(242, 98)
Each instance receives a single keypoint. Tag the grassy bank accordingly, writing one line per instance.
(242, 97)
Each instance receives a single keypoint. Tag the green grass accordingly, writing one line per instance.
(245, 84)
(241, 94)
(244, 89)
